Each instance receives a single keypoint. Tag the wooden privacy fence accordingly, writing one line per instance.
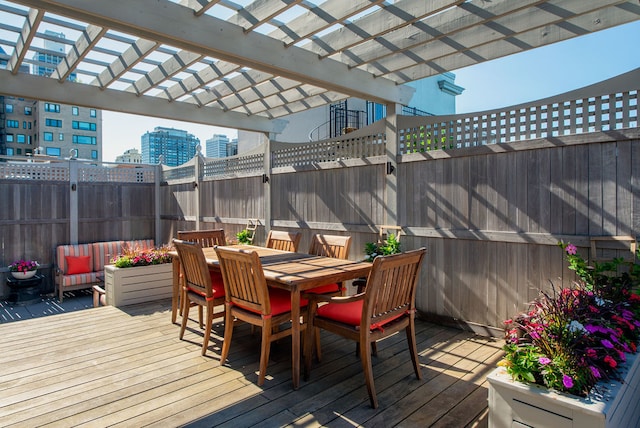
(489, 211)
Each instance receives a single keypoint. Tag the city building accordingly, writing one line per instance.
(46, 61)
(219, 146)
(174, 145)
(129, 156)
(38, 127)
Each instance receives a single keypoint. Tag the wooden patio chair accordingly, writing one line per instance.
(386, 307)
(330, 246)
(249, 299)
(197, 286)
(207, 238)
(281, 240)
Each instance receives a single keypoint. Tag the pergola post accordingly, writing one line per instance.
(391, 167)
(73, 200)
(266, 181)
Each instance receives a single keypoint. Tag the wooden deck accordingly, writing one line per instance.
(108, 367)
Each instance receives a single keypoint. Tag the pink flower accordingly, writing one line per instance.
(567, 381)
(544, 360)
(571, 249)
(595, 372)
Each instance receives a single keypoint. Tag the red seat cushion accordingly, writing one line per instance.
(280, 301)
(349, 313)
(78, 264)
(324, 289)
(217, 283)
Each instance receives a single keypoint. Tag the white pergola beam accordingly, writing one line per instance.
(87, 40)
(26, 36)
(78, 94)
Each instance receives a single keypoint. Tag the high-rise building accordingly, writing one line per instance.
(174, 145)
(48, 59)
(32, 126)
(219, 146)
(129, 156)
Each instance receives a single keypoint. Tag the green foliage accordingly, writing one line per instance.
(243, 237)
(374, 249)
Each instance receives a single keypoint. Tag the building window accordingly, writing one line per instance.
(18, 152)
(9, 108)
(13, 124)
(56, 123)
(75, 111)
(29, 125)
(92, 112)
(29, 139)
(10, 138)
(61, 137)
(9, 151)
(53, 151)
(20, 138)
(24, 124)
(84, 126)
(84, 139)
(27, 111)
(52, 108)
(47, 136)
(94, 154)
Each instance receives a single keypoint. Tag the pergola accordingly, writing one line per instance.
(246, 64)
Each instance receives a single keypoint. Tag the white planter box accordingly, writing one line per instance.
(132, 285)
(515, 404)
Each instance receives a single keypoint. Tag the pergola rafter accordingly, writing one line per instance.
(267, 59)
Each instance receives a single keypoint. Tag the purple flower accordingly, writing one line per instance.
(606, 343)
(571, 249)
(544, 360)
(567, 381)
(595, 372)
(534, 335)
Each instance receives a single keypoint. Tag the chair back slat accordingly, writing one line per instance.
(194, 267)
(244, 280)
(330, 246)
(206, 238)
(391, 286)
(285, 241)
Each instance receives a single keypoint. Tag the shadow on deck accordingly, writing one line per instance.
(107, 366)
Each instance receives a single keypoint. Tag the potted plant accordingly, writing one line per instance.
(137, 276)
(384, 248)
(23, 269)
(244, 237)
(578, 342)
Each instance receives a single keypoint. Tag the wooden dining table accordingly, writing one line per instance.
(294, 272)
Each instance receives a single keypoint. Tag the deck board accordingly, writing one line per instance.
(127, 367)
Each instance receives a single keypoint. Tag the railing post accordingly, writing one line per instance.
(73, 201)
(158, 203)
(196, 186)
(391, 169)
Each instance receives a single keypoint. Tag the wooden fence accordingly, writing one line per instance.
(489, 212)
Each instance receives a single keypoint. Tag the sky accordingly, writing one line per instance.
(515, 79)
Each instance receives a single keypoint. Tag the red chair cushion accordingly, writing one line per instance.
(217, 292)
(324, 289)
(280, 302)
(349, 313)
(78, 264)
(217, 283)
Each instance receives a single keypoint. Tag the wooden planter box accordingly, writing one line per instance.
(128, 286)
(515, 404)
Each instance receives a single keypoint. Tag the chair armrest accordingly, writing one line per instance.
(333, 299)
